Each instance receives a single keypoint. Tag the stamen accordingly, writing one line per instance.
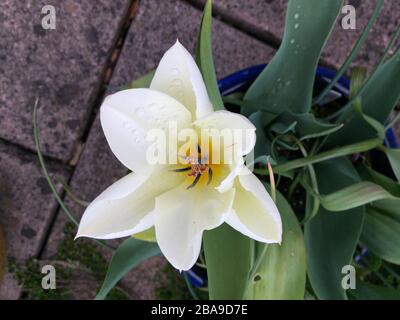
(182, 169)
(196, 180)
(210, 174)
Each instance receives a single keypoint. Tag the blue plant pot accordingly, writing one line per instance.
(242, 79)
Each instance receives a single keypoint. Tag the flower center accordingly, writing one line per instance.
(196, 166)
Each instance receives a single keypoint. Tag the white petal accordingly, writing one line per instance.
(240, 129)
(128, 115)
(126, 207)
(236, 169)
(254, 212)
(182, 215)
(178, 76)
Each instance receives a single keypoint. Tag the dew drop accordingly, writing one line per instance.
(288, 83)
(297, 25)
(296, 16)
(257, 277)
(292, 41)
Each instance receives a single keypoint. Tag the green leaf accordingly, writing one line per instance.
(128, 255)
(307, 126)
(229, 256)
(393, 156)
(144, 81)
(262, 147)
(282, 273)
(358, 76)
(367, 291)
(331, 239)
(204, 58)
(388, 184)
(287, 81)
(381, 231)
(383, 90)
(354, 196)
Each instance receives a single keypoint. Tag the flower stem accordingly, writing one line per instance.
(323, 156)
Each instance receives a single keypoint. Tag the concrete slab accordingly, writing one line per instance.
(63, 67)
(27, 208)
(265, 19)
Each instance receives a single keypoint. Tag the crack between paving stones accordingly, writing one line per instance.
(102, 88)
(243, 26)
(236, 22)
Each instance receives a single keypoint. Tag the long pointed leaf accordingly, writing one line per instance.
(282, 273)
(287, 82)
(354, 196)
(204, 58)
(128, 255)
(381, 231)
(331, 238)
(229, 256)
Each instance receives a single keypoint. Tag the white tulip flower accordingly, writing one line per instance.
(180, 200)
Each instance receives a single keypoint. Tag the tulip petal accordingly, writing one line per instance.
(178, 76)
(182, 215)
(128, 115)
(127, 206)
(254, 212)
(229, 124)
(235, 170)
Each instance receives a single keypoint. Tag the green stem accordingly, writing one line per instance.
(48, 178)
(352, 54)
(364, 86)
(323, 156)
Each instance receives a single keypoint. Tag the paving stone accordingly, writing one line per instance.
(63, 66)
(27, 207)
(152, 34)
(148, 38)
(266, 19)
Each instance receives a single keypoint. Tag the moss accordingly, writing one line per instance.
(83, 254)
(30, 277)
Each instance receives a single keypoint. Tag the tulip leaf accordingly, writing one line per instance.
(383, 90)
(288, 80)
(394, 158)
(353, 196)
(229, 256)
(262, 147)
(331, 238)
(204, 58)
(128, 255)
(143, 82)
(306, 125)
(378, 178)
(381, 231)
(368, 291)
(282, 273)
